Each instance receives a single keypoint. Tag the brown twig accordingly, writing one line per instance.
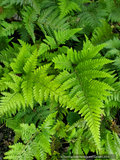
(2, 125)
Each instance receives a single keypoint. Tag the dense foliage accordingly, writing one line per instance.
(59, 77)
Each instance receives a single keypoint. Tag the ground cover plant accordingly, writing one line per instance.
(59, 78)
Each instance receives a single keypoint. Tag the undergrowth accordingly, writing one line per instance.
(59, 78)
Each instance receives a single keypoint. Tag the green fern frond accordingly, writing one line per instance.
(114, 16)
(102, 33)
(113, 8)
(27, 85)
(41, 90)
(67, 6)
(36, 143)
(36, 116)
(27, 89)
(60, 38)
(24, 35)
(113, 43)
(15, 85)
(49, 21)
(11, 102)
(112, 145)
(113, 100)
(81, 123)
(18, 65)
(7, 55)
(29, 17)
(113, 49)
(7, 12)
(11, 2)
(88, 143)
(30, 65)
(48, 122)
(15, 149)
(77, 149)
(9, 28)
(84, 90)
(4, 79)
(37, 6)
(91, 15)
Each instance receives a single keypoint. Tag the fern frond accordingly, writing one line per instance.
(27, 85)
(9, 28)
(113, 43)
(36, 142)
(77, 149)
(15, 149)
(11, 102)
(4, 79)
(11, 2)
(24, 35)
(7, 55)
(60, 38)
(67, 6)
(7, 12)
(91, 15)
(27, 89)
(113, 8)
(37, 6)
(48, 122)
(15, 85)
(36, 116)
(29, 17)
(102, 33)
(88, 143)
(113, 99)
(49, 21)
(113, 49)
(112, 145)
(86, 92)
(18, 65)
(30, 65)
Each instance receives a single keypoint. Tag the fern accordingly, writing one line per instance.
(36, 116)
(12, 101)
(113, 10)
(29, 17)
(60, 38)
(8, 28)
(102, 33)
(18, 65)
(49, 21)
(91, 15)
(41, 83)
(24, 35)
(112, 145)
(67, 6)
(7, 55)
(84, 90)
(76, 87)
(36, 143)
(112, 52)
(11, 2)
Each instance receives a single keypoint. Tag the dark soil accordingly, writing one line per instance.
(6, 139)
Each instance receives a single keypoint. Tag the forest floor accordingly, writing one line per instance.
(6, 139)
